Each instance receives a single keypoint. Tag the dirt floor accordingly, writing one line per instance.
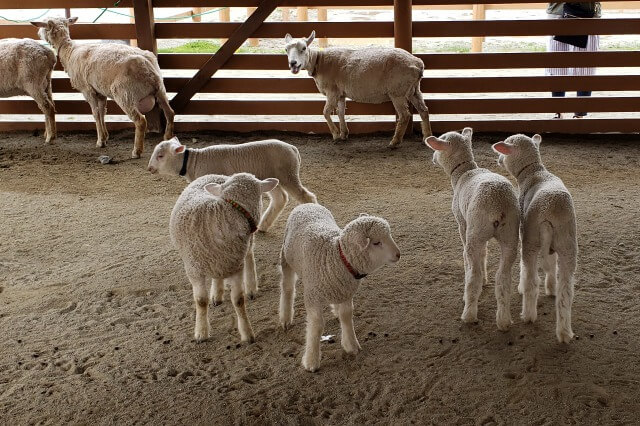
(97, 315)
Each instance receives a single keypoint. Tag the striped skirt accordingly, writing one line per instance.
(556, 46)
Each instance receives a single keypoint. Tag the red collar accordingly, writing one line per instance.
(356, 275)
(245, 213)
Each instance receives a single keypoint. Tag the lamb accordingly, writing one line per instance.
(268, 158)
(128, 75)
(331, 263)
(548, 227)
(211, 226)
(485, 206)
(25, 67)
(368, 75)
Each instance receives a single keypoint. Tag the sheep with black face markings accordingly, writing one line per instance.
(25, 67)
(369, 75)
(485, 206)
(212, 226)
(548, 228)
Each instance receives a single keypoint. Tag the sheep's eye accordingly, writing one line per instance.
(377, 243)
(160, 156)
(304, 48)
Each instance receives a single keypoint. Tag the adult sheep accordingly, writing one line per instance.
(128, 75)
(368, 75)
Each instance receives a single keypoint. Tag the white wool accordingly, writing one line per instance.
(485, 206)
(129, 75)
(311, 251)
(214, 241)
(264, 159)
(548, 228)
(25, 67)
(368, 75)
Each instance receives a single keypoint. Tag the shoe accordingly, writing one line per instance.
(580, 115)
(557, 116)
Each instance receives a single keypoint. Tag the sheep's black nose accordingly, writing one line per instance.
(293, 63)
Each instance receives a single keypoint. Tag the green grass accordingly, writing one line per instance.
(206, 46)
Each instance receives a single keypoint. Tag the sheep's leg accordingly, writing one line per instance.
(402, 109)
(529, 283)
(418, 103)
(315, 327)
(509, 252)
(141, 127)
(287, 293)
(462, 230)
(549, 259)
(485, 276)
(51, 116)
(249, 272)
(102, 111)
(564, 295)
(344, 130)
(349, 340)
(277, 200)
(299, 192)
(217, 291)
(473, 279)
(45, 103)
(330, 106)
(169, 115)
(239, 304)
(94, 101)
(201, 297)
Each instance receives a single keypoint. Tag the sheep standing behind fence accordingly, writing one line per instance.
(129, 75)
(368, 75)
(25, 67)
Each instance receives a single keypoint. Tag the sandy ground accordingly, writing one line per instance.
(96, 313)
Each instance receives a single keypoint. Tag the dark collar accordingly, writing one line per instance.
(456, 167)
(252, 224)
(356, 275)
(525, 167)
(185, 159)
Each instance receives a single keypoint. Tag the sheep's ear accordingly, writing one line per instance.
(437, 144)
(537, 139)
(503, 148)
(288, 38)
(268, 184)
(214, 189)
(467, 132)
(180, 148)
(72, 20)
(363, 242)
(364, 214)
(311, 37)
(38, 24)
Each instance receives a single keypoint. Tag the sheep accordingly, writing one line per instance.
(368, 75)
(26, 66)
(548, 227)
(211, 226)
(129, 75)
(331, 263)
(268, 158)
(485, 206)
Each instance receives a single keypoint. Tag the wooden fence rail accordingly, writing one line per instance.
(480, 97)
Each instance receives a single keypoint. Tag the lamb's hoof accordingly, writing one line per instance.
(352, 349)
(263, 228)
(251, 296)
(249, 340)
(564, 336)
(394, 144)
(216, 302)
(101, 144)
(200, 337)
(311, 366)
(529, 317)
(469, 317)
(520, 289)
(135, 154)
(344, 136)
(503, 324)
(286, 325)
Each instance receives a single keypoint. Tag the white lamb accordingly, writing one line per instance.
(25, 67)
(264, 159)
(331, 263)
(212, 227)
(368, 75)
(128, 75)
(485, 206)
(548, 228)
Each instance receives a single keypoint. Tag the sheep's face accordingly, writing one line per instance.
(165, 158)
(298, 52)
(54, 30)
(451, 148)
(517, 152)
(372, 237)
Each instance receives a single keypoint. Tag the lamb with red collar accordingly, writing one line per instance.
(212, 226)
(331, 263)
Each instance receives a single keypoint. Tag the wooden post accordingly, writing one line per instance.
(145, 32)
(223, 54)
(403, 33)
(132, 20)
(479, 13)
(286, 16)
(224, 16)
(253, 42)
(322, 16)
(303, 15)
(195, 14)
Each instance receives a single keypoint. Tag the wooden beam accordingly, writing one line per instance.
(216, 62)
(402, 24)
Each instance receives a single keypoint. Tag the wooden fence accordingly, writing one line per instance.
(402, 29)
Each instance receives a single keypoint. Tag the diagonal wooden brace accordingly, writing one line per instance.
(239, 36)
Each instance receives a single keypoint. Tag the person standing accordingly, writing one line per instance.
(585, 43)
